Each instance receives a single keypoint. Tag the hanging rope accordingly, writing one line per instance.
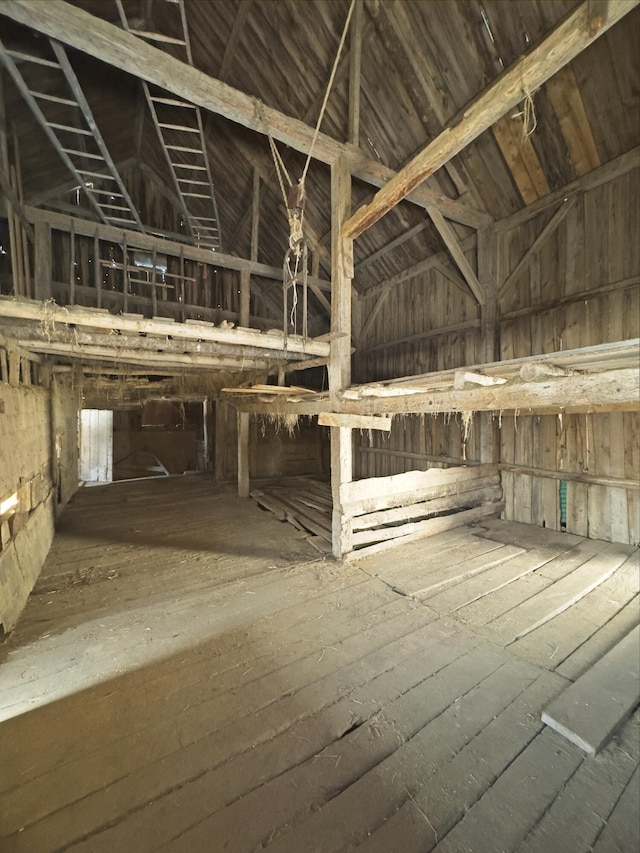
(327, 93)
(528, 115)
(295, 199)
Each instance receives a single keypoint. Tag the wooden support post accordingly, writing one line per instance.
(125, 274)
(355, 61)
(72, 266)
(42, 266)
(219, 440)
(97, 270)
(154, 292)
(340, 353)
(243, 417)
(255, 215)
(243, 455)
(488, 276)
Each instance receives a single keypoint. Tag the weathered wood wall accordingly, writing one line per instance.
(273, 451)
(580, 289)
(382, 511)
(426, 323)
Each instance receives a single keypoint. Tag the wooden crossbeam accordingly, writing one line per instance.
(78, 28)
(333, 419)
(562, 45)
(537, 244)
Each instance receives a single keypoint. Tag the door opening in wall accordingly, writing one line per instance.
(96, 446)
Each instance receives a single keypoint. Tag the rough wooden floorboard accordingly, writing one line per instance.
(197, 677)
(595, 706)
(571, 824)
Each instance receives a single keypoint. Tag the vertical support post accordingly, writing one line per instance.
(97, 270)
(154, 292)
(219, 440)
(355, 61)
(72, 264)
(243, 417)
(42, 265)
(125, 272)
(255, 215)
(340, 354)
(488, 277)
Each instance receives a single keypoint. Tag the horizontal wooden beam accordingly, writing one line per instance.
(39, 312)
(78, 28)
(527, 74)
(137, 240)
(613, 390)
(132, 355)
(537, 244)
(602, 175)
(333, 419)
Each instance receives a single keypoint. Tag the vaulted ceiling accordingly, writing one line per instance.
(421, 62)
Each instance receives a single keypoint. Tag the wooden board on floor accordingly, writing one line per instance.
(595, 706)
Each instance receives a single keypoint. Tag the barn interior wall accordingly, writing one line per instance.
(39, 466)
(580, 290)
(137, 447)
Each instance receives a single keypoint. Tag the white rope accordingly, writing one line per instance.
(330, 84)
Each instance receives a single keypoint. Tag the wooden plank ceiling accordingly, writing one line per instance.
(421, 64)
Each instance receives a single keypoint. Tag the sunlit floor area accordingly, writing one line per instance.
(191, 674)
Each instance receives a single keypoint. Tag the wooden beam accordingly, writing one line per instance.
(420, 268)
(339, 368)
(86, 228)
(608, 172)
(373, 314)
(562, 45)
(14, 201)
(332, 419)
(131, 355)
(190, 330)
(232, 39)
(451, 242)
(538, 243)
(42, 265)
(355, 62)
(393, 244)
(110, 44)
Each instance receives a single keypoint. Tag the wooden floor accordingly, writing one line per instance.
(192, 675)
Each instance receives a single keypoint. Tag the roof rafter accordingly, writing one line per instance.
(79, 29)
(562, 45)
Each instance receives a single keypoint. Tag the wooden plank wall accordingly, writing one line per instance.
(382, 511)
(580, 289)
(418, 330)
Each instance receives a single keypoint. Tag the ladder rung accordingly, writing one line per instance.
(83, 154)
(84, 173)
(104, 206)
(171, 102)
(43, 96)
(180, 127)
(203, 218)
(39, 60)
(189, 166)
(196, 195)
(184, 149)
(119, 219)
(193, 183)
(145, 34)
(69, 128)
(110, 193)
